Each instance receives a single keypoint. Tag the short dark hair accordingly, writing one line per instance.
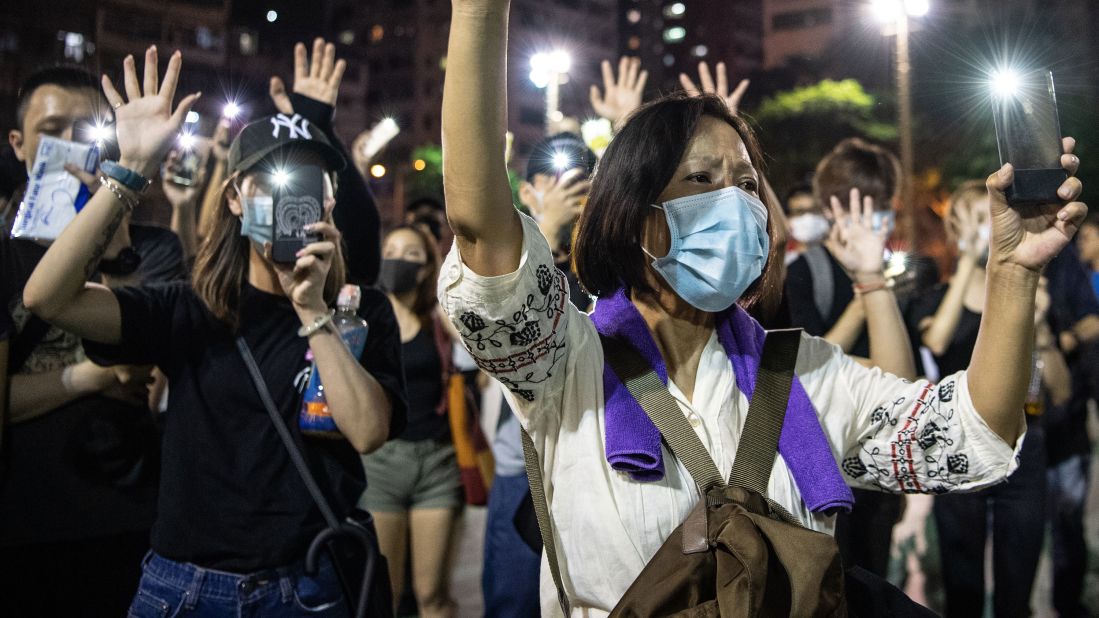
(640, 161)
(69, 76)
(801, 188)
(857, 164)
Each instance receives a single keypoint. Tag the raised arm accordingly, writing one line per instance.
(478, 197)
(860, 250)
(57, 291)
(1024, 240)
(938, 332)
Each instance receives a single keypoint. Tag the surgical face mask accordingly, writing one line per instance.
(810, 228)
(398, 276)
(883, 220)
(718, 247)
(257, 220)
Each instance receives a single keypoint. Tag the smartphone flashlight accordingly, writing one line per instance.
(230, 110)
(1028, 134)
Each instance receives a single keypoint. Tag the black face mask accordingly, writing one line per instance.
(398, 276)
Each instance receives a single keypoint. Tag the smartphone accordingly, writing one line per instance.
(186, 168)
(1028, 134)
(298, 202)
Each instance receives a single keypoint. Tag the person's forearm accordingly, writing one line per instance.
(847, 329)
(33, 395)
(183, 224)
(999, 371)
(1087, 329)
(72, 259)
(211, 201)
(890, 349)
(938, 336)
(478, 196)
(357, 402)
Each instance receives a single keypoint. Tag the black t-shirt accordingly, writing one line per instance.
(230, 498)
(161, 254)
(957, 355)
(424, 371)
(803, 310)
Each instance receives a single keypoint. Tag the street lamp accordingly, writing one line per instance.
(547, 69)
(897, 13)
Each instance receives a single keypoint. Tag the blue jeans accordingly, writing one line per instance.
(510, 577)
(1068, 491)
(169, 588)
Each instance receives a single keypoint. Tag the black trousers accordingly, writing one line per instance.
(86, 578)
(1014, 512)
(864, 534)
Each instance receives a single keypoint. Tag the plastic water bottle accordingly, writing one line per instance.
(315, 418)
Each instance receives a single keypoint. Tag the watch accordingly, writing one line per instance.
(125, 176)
(125, 263)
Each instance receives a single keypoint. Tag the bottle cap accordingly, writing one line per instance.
(350, 297)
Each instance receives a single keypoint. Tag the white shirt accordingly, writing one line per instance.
(885, 433)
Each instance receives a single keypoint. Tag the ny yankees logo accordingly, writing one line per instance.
(298, 126)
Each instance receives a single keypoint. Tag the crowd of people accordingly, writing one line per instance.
(493, 349)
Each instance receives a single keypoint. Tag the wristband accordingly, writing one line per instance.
(125, 176)
(309, 330)
(866, 288)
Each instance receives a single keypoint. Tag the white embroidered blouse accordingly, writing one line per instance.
(886, 433)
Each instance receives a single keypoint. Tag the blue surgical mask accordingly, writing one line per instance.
(883, 220)
(257, 220)
(718, 247)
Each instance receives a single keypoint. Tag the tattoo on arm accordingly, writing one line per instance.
(103, 242)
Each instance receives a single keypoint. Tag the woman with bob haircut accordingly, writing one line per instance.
(234, 519)
(675, 234)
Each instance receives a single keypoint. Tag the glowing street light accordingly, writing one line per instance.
(272, 16)
(546, 71)
(419, 165)
(377, 170)
(898, 13)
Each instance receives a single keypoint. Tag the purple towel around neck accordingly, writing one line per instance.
(632, 440)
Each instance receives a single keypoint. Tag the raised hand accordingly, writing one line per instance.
(721, 88)
(146, 125)
(178, 194)
(558, 202)
(318, 77)
(304, 281)
(622, 95)
(854, 242)
(1030, 237)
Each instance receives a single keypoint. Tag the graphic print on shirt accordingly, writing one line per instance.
(525, 330)
(924, 433)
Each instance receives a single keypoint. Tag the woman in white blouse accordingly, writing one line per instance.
(680, 180)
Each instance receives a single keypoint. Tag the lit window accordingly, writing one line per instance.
(272, 16)
(675, 34)
(699, 51)
(347, 37)
(248, 44)
(74, 45)
(377, 33)
(669, 60)
(633, 16)
(634, 43)
(673, 11)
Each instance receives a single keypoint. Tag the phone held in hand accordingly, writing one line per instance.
(185, 170)
(1028, 134)
(299, 201)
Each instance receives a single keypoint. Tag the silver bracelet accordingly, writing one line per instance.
(129, 202)
(309, 330)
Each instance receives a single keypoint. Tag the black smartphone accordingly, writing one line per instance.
(298, 201)
(185, 170)
(1028, 134)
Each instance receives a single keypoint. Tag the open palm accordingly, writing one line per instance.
(622, 95)
(146, 124)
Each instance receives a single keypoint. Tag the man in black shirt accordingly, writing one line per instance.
(77, 494)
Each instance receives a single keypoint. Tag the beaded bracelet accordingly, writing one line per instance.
(128, 201)
(322, 320)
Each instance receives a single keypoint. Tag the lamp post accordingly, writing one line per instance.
(547, 70)
(897, 13)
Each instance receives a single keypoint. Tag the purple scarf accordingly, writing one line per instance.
(633, 441)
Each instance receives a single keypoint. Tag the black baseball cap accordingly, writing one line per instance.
(549, 152)
(260, 139)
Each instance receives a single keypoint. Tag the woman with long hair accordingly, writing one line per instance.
(675, 234)
(415, 491)
(234, 519)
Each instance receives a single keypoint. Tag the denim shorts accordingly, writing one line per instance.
(169, 588)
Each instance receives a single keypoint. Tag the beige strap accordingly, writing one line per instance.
(541, 511)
